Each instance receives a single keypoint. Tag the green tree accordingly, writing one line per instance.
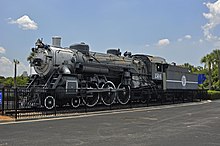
(22, 81)
(2, 79)
(208, 61)
(216, 58)
(192, 68)
(9, 81)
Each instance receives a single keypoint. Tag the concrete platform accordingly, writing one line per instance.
(181, 124)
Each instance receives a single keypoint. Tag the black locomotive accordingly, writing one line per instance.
(76, 75)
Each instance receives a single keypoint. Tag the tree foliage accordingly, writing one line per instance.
(211, 69)
(9, 81)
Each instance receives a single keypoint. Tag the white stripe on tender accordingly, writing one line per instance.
(176, 81)
(189, 82)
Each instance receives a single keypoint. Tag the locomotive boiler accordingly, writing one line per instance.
(77, 75)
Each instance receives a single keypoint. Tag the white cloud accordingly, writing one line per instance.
(163, 42)
(213, 18)
(24, 23)
(5, 61)
(147, 45)
(2, 50)
(200, 40)
(7, 67)
(187, 36)
(180, 40)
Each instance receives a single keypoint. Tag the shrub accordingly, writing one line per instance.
(214, 94)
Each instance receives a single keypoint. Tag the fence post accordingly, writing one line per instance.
(55, 93)
(148, 98)
(173, 96)
(3, 100)
(131, 101)
(110, 107)
(183, 96)
(161, 95)
(203, 95)
(8, 94)
(85, 97)
(16, 101)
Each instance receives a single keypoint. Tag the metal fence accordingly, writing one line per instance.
(14, 102)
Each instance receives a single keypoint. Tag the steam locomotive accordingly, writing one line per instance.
(75, 75)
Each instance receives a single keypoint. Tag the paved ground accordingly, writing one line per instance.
(5, 118)
(183, 124)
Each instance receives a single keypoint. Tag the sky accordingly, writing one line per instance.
(178, 30)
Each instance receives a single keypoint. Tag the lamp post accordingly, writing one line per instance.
(15, 86)
(15, 71)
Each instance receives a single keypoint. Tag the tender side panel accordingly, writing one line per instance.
(180, 79)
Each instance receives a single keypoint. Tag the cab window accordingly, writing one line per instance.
(159, 67)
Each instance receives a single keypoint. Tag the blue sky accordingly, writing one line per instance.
(178, 30)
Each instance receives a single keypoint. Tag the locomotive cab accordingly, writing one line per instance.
(158, 68)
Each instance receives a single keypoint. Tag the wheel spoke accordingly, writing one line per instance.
(92, 98)
(49, 102)
(108, 97)
(123, 95)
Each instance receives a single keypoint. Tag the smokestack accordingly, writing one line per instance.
(56, 41)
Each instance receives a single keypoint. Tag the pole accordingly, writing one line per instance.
(15, 71)
(16, 111)
(3, 100)
(15, 87)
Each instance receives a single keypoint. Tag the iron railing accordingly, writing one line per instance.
(18, 102)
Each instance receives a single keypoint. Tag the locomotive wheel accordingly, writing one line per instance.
(91, 99)
(108, 97)
(123, 96)
(75, 102)
(49, 102)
